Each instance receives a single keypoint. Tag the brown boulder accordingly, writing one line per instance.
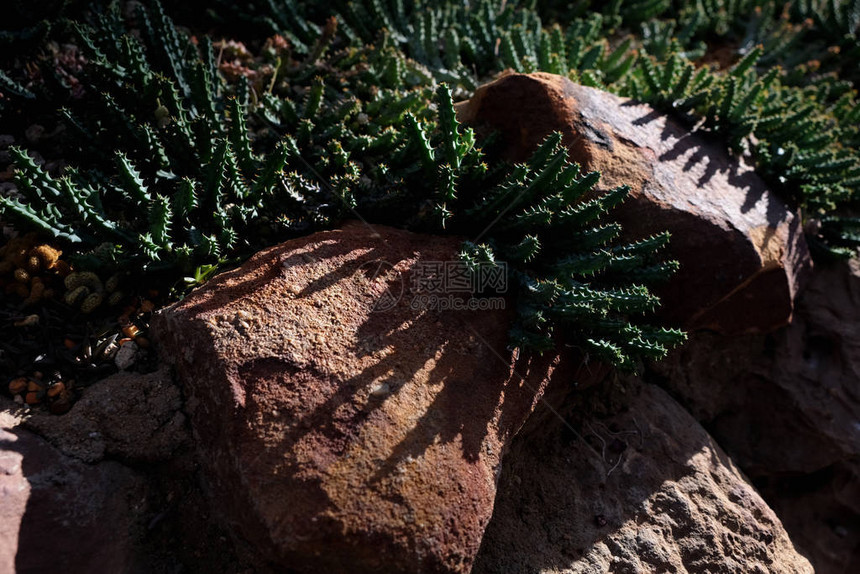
(742, 251)
(58, 514)
(800, 382)
(342, 430)
(786, 408)
(638, 488)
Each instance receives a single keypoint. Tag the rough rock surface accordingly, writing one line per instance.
(786, 408)
(58, 514)
(342, 429)
(639, 488)
(131, 416)
(742, 252)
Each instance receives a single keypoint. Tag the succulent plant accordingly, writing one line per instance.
(190, 153)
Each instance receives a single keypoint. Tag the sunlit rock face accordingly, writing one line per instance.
(344, 428)
(742, 251)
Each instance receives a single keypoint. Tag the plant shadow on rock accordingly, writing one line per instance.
(327, 416)
(702, 145)
(457, 410)
(711, 221)
(731, 236)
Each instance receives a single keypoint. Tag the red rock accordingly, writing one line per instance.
(58, 514)
(336, 437)
(742, 251)
(636, 486)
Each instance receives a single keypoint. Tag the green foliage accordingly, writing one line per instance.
(180, 169)
(777, 81)
(12, 88)
(653, 50)
(569, 271)
(799, 128)
(172, 194)
(563, 258)
(839, 237)
(188, 154)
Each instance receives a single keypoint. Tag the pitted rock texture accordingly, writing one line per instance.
(786, 408)
(742, 251)
(134, 417)
(58, 514)
(342, 429)
(640, 488)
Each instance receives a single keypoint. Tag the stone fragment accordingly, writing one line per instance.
(639, 488)
(126, 356)
(742, 251)
(58, 514)
(135, 417)
(786, 407)
(342, 428)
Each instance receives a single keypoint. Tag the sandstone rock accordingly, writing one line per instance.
(342, 430)
(58, 514)
(132, 416)
(742, 252)
(786, 408)
(649, 491)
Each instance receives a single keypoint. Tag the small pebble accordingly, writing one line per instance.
(18, 386)
(56, 389)
(28, 321)
(61, 406)
(379, 390)
(126, 356)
